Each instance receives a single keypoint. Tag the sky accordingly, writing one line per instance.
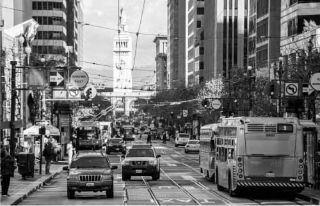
(98, 42)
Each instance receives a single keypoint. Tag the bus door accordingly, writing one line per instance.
(311, 153)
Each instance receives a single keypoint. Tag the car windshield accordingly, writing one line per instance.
(183, 135)
(140, 153)
(193, 142)
(90, 162)
(115, 140)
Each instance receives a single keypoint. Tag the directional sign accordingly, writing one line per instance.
(79, 79)
(57, 78)
(291, 89)
(216, 104)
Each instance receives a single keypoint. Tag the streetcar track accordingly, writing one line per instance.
(150, 191)
(181, 188)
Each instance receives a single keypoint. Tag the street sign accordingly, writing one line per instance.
(216, 104)
(57, 78)
(90, 92)
(59, 94)
(315, 81)
(307, 89)
(79, 79)
(74, 93)
(291, 89)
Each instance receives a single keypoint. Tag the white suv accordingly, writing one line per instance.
(181, 139)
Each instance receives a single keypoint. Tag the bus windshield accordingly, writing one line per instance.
(277, 145)
(87, 134)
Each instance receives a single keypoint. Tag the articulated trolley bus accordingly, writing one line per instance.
(259, 152)
(207, 151)
(88, 135)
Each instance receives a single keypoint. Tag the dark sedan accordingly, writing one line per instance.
(115, 145)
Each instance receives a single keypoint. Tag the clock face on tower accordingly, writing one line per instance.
(121, 64)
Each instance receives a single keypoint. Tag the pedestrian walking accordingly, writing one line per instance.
(7, 169)
(70, 152)
(48, 153)
(164, 138)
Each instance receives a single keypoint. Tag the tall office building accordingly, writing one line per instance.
(161, 62)
(74, 32)
(264, 35)
(176, 43)
(195, 37)
(59, 35)
(225, 37)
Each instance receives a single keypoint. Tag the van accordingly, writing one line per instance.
(181, 139)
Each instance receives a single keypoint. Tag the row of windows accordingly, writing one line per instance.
(50, 20)
(55, 35)
(223, 154)
(228, 142)
(48, 49)
(47, 5)
(262, 8)
(262, 30)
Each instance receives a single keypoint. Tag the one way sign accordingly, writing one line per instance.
(57, 79)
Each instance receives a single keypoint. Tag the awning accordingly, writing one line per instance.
(34, 130)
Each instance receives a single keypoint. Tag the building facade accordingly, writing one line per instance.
(264, 35)
(194, 44)
(161, 62)
(225, 37)
(177, 74)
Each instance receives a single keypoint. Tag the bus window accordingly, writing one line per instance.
(212, 146)
(230, 153)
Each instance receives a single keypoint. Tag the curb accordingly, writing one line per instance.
(306, 198)
(17, 201)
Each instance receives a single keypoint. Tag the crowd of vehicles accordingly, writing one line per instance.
(238, 154)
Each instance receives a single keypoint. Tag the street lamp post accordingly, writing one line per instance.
(280, 73)
(13, 108)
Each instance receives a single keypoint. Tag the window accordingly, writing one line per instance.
(292, 27)
(201, 50)
(291, 2)
(262, 30)
(262, 8)
(198, 24)
(262, 56)
(34, 6)
(50, 5)
(200, 10)
(44, 5)
(201, 65)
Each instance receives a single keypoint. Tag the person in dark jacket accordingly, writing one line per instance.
(48, 153)
(7, 169)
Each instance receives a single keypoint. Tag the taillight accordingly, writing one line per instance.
(300, 170)
(240, 168)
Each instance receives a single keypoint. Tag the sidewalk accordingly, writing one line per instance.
(20, 189)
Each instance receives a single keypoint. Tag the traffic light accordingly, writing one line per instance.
(205, 103)
(88, 93)
(272, 89)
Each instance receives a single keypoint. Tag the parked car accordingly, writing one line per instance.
(181, 139)
(141, 160)
(90, 172)
(115, 145)
(192, 146)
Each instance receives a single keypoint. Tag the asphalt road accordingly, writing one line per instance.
(180, 183)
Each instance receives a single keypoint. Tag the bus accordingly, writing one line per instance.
(259, 153)
(207, 151)
(88, 135)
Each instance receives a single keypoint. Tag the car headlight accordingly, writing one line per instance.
(74, 172)
(153, 162)
(124, 162)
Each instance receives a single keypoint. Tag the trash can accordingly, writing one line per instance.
(25, 163)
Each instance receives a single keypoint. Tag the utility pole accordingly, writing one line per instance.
(13, 108)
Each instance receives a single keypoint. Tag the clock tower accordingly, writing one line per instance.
(122, 57)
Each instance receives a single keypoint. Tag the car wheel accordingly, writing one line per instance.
(156, 176)
(186, 151)
(125, 177)
(108, 152)
(176, 145)
(109, 192)
(70, 194)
